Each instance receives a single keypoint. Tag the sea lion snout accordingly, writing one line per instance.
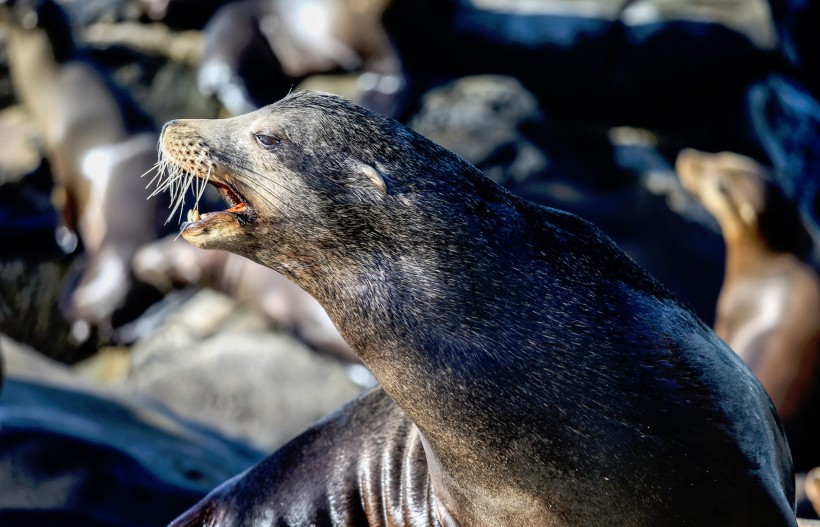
(186, 148)
(187, 156)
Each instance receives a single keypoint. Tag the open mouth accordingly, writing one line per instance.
(238, 207)
(185, 178)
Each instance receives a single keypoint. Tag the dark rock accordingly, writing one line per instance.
(182, 14)
(32, 288)
(489, 120)
(785, 118)
(683, 75)
(70, 453)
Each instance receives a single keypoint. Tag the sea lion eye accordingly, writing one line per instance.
(267, 141)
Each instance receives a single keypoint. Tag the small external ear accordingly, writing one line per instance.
(373, 174)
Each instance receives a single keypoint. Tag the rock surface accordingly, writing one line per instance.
(217, 363)
(75, 454)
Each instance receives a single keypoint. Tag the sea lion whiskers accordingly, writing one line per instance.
(204, 185)
(178, 181)
(187, 180)
(196, 183)
(158, 167)
(201, 185)
(161, 167)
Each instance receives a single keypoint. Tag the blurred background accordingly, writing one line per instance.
(140, 372)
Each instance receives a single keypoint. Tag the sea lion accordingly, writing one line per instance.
(768, 306)
(98, 142)
(531, 373)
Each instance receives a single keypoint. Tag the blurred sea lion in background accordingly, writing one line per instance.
(769, 306)
(166, 264)
(98, 143)
(812, 488)
(257, 50)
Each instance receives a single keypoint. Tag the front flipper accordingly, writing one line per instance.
(362, 465)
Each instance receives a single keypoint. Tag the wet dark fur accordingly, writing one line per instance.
(553, 381)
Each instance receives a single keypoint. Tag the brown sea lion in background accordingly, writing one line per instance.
(97, 143)
(812, 487)
(769, 306)
(531, 373)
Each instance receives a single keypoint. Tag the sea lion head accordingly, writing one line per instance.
(311, 179)
(730, 186)
(742, 196)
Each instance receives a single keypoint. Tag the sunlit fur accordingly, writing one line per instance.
(553, 382)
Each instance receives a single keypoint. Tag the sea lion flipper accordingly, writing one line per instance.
(332, 474)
